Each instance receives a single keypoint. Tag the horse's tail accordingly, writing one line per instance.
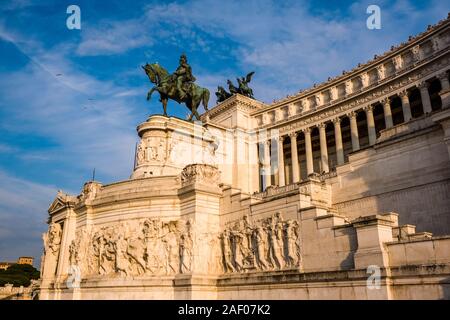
(205, 99)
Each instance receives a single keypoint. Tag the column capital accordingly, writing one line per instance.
(423, 84)
(336, 120)
(352, 114)
(267, 143)
(306, 130)
(368, 108)
(293, 134)
(442, 76)
(386, 101)
(403, 94)
(281, 138)
(321, 125)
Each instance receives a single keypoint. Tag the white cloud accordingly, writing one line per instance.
(23, 214)
(112, 38)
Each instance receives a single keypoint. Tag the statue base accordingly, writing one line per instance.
(168, 144)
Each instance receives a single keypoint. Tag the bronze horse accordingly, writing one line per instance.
(165, 85)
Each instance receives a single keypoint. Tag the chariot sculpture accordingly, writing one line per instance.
(242, 88)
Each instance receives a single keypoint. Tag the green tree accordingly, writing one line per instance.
(19, 275)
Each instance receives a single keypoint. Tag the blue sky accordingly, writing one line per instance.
(55, 129)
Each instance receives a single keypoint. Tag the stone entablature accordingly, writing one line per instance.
(345, 107)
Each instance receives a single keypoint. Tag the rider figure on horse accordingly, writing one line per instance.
(183, 75)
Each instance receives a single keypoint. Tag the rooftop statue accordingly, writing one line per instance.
(178, 86)
(242, 88)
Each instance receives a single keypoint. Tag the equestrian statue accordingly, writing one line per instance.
(178, 86)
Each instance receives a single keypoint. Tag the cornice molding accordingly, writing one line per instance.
(376, 94)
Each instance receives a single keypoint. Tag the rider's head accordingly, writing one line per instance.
(183, 58)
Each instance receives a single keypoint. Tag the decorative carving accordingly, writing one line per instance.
(352, 114)
(333, 93)
(436, 43)
(398, 62)
(348, 87)
(306, 130)
(52, 244)
(365, 79)
(52, 239)
(443, 76)
(156, 150)
(156, 247)
(336, 120)
(90, 190)
(200, 172)
(416, 52)
(186, 248)
(368, 108)
(318, 99)
(381, 72)
(140, 153)
(293, 135)
(403, 94)
(269, 244)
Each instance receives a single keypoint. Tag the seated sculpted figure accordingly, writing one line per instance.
(183, 75)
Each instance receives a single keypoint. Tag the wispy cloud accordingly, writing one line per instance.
(23, 206)
(112, 37)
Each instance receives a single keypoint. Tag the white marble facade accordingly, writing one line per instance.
(293, 200)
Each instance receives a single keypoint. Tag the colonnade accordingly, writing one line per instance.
(267, 166)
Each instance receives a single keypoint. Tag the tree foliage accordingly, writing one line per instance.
(19, 275)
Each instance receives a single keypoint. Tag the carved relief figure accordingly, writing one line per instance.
(261, 247)
(171, 249)
(52, 239)
(122, 262)
(292, 245)
(186, 247)
(227, 253)
(140, 153)
(272, 243)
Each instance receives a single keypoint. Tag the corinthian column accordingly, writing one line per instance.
(294, 156)
(443, 77)
(308, 149)
(405, 106)
(267, 167)
(387, 113)
(354, 131)
(281, 176)
(338, 138)
(445, 90)
(323, 147)
(370, 125)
